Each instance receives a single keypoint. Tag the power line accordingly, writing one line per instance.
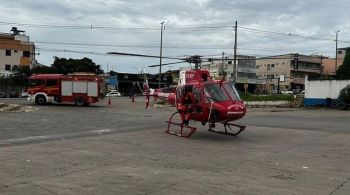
(170, 28)
(145, 45)
(288, 34)
(115, 28)
(169, 46)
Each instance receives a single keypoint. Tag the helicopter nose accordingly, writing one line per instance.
(236, 110)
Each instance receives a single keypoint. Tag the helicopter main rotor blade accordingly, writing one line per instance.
(140, 55)
(167, 64)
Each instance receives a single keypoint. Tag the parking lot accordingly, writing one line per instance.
(122, 149)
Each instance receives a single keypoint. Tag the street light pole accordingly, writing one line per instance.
(160, 55)
(235, 69)
(336, 51)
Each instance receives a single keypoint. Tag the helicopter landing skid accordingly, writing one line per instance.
(241, 128)
(176, 121)
(181, 132)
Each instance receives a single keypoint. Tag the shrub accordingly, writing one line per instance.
(269, 97)
(344, 94)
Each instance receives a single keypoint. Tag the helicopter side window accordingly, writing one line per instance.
(197, 95)
(179, 94)
(204, 77)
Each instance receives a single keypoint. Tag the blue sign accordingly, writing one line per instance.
(113, 80)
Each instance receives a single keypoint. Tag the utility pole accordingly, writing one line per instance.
(336, 51)
(222, 63)
(160, 55)
(235, 68)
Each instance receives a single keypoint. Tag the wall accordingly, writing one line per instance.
(316, 92)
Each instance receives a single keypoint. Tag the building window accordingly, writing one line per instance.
(229, 62)
(15, 67)
(26, 54)
(8, 67)
(268, 76)
(340, 51)
(8, 52)
(272, 76)
(15, 51)
(272, 65)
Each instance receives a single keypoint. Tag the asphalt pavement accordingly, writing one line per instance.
(122, 149)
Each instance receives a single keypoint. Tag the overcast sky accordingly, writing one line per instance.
(202, 27)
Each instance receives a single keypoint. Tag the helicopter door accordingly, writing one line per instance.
(179, 93)
(197, 103)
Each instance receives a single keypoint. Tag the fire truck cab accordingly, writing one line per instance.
(81, 89)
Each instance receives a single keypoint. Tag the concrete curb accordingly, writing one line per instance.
(267, 103)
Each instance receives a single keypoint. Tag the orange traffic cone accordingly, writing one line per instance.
(109, 101)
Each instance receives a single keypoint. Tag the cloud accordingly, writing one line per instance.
(312, 18)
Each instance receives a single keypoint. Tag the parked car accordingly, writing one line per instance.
(12, 94)
(2, 94)
(287, 92)
(24, 94)
(113, 93)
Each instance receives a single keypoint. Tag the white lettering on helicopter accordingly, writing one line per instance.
(231, 106)
(189, 76)
(163, 94)
(235, 112)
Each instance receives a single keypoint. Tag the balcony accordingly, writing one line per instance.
(307, 69)
(247, 70)
(299, 80)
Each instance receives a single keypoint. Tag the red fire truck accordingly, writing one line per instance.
(81, 89)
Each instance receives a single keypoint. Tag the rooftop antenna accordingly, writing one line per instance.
(15, 31)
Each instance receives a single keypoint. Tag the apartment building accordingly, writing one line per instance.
(291, 68)
(244, 75)
(15, 50)
(329, 65)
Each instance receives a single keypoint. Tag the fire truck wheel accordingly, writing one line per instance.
(79, 101)
(40, 100)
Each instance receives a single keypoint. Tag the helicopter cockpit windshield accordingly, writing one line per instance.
(221, 92)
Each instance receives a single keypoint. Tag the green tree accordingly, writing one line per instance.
(344, 94)
(343, 71)
(65, 66)
(43, 70)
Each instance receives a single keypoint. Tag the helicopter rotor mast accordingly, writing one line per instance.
(196, 60)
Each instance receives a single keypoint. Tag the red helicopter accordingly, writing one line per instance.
(198, 97)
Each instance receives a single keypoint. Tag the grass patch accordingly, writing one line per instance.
(268, 97)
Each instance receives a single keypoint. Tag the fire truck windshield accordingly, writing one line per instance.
(35, 82)
(220, 93)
